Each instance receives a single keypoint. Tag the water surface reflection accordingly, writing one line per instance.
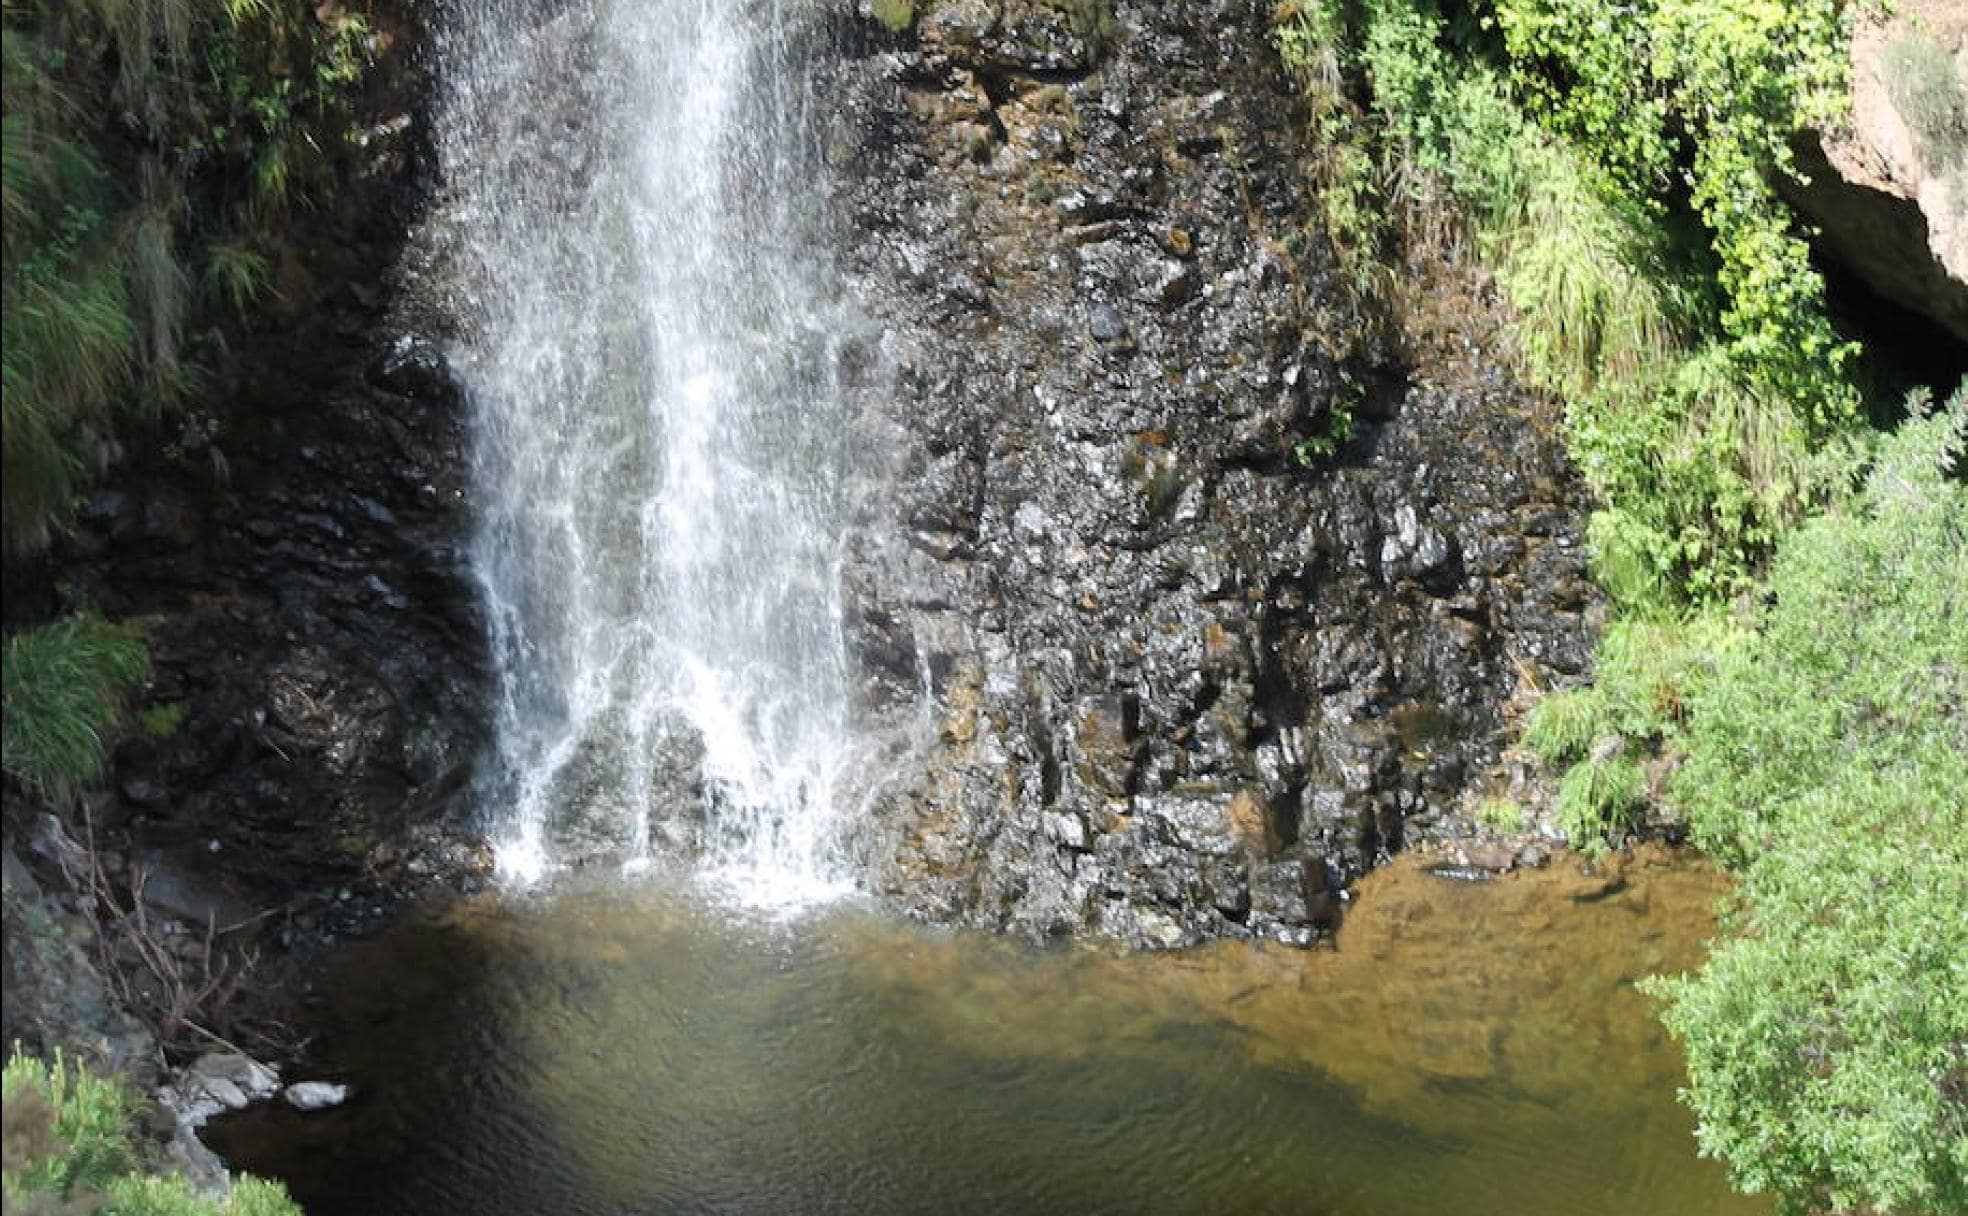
(1465, 1048)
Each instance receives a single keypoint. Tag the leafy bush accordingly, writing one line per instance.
(1646, 671)
(1705, 399)
(1661, 89)
(1827, 1043)
(67, 1128)
(65, 686)
(1862, 655)
(71, 1146)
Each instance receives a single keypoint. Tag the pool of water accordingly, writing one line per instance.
(1465, 1048)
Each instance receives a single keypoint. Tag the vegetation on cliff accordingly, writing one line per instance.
(1827, 759)
(155, 154)
(1617, 167)
(72, 1145)
(153, 151)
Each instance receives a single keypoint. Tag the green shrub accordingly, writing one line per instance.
(73, 1126)
(1704, 388)
(72, 1146)
(64, 690)
(1648, 668)
(1863, 653)
(1827, 1042)
(1646, 671)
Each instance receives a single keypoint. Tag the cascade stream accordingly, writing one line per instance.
(649, 339)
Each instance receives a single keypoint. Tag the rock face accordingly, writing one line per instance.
(290, 541)
(1192, 588)
(1182, 656)
(52, 994)
(1890, 191)
(314, 621)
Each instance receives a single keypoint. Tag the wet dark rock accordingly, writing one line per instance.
(1191, 674)
(316, 627)
(295, 556)
(142, 791)
(189, 885)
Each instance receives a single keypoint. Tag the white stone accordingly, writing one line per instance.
(315, 1095)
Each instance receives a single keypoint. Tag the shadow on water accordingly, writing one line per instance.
(1465, 1048)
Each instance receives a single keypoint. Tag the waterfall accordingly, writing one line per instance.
(649, 333)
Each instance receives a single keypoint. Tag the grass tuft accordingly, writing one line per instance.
(1599, 798)
(1564, 726)
(65, 686)
(237, 276)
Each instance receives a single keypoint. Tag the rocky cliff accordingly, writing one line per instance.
(1889, 185)
(1213, 596)
(289, 542)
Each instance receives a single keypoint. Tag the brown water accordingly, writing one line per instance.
(1467, 1049)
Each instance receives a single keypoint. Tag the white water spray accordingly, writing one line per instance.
(649, 338)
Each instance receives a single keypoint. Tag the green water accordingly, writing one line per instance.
(1466, 1049)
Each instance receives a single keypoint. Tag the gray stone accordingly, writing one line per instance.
(248, 1077)
(1106, 324)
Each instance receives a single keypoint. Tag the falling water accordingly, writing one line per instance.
(649, 336)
